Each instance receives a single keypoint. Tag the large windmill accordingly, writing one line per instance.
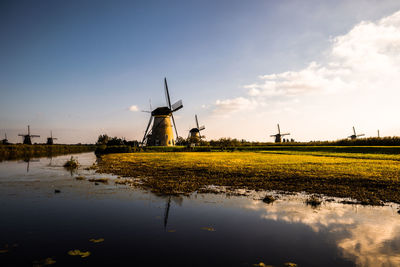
(50, 140)
(355, 135)
(194, 133)
(278, 136)
(161, 133)
(27, 137)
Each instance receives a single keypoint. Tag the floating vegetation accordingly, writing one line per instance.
(268, 199)
(93, 240)
(47, 261)
(290, 264)
(123, 181)
(80, 178)
(77, 252)
(313, 201)
(367, 178)
(99, 180)
(262, 264)
(72, 163)
(210, 229)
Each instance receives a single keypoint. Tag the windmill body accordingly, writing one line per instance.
(27, 137)
(5, 140)
(194, 133)
(160, 133)
(50, 140)
(354, 136)
(279, 135)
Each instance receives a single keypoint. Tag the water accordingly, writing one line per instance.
(142, 229)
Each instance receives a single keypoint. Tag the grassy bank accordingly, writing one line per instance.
(20, 151)
(369, 178)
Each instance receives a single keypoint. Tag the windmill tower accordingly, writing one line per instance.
(278, 136)
(354, 136)
(5, 140)
(50, 140)
(194, 133)
(161, 133)
(27, 137)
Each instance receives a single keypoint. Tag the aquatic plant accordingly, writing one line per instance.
(313, 201)
(77, 252)
(99, 240)
(44, 262)
(99, 180)
(268, 199)
(210, 229)
(72, 163)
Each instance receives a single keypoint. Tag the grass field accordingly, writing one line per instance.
(368, 178)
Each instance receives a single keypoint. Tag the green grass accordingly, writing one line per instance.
(368, 177)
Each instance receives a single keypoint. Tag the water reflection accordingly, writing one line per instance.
(28, 160)
(369, 236)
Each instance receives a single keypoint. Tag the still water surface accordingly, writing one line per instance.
(142, 229)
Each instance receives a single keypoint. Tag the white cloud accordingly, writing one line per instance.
(234, 104)
(365, 61)
(133, 108)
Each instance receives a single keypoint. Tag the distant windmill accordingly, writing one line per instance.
(27, 137)
(50, 140)
(194, 133)
(278, 136)
(355, 135)
(5, 140)
(161, 133)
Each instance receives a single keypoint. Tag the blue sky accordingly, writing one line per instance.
(75, 67)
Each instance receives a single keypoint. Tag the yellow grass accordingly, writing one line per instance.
(367, 177)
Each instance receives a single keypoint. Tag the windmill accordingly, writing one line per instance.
(5, 140)
(355, 135)
(194, 133)
(50, 140)
(278, 136)
(27, 137)
(161, 133)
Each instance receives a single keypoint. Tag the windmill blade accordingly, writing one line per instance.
(354, 130)
(285, 134)
(274, 135)
(360, 135)
(150, 104)
(173, 121)
(177, 105)
(197, 122)
(201, 128)
(167, 98)
(147, 128)
(55, 138)
(21, 134)
(279, 129)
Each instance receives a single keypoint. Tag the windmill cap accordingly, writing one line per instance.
(161, 111)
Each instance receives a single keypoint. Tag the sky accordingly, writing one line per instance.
(85, 68)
